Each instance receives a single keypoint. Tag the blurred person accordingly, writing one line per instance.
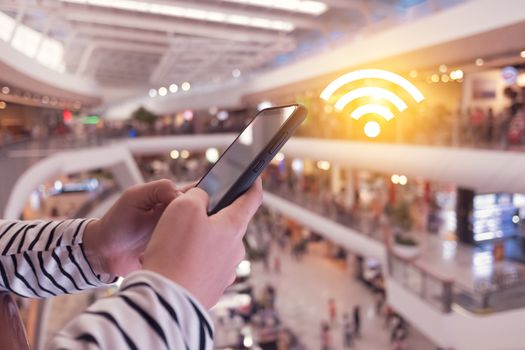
(380, 298)
(265, 257)
(516, 129)
(277, 264)
(332, 311)
(177, 261)
(389, 315)
(269, 293)
(357, 320)
(476, 123)
(326, 336)
(489, 132)
(284, 339)
(348, 331)
(398, 337)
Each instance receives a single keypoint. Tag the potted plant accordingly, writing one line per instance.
(145, 117)
(405, 246)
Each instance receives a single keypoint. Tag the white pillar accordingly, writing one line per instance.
(350, 186)
(335, 179)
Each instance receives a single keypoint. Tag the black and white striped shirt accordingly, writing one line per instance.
(39, 259)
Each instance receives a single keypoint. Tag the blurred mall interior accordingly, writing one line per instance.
(401, 227)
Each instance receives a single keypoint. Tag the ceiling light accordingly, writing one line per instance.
(6, 90)
(443, 68)
(213, 110)
(223, 115)
(323, 165)
(479, 62)
(522, 54)
(173, 88)
(188, 115)
(174, 154)
(185, 86)
(236, 73)
(152, 93)
(264, 105)
(184, 154)
(456, 74)
(297, 165)
(201, 15)
(304, 6)
(163, 91)
(212, 155)
(279, 157)
(3, 105)
(395, 179)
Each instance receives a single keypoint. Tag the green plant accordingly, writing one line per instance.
(142, 115)
(401, 216)
(405, 240)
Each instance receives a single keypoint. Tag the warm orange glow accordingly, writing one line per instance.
(372, 129)
(375, 92)
(372, 74)
(372, 109)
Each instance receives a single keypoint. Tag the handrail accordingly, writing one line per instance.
(92, 203)
(441, 292)
(422, 269)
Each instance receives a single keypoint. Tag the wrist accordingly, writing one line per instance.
(94, 248)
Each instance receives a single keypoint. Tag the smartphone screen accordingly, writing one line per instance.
(255, 138)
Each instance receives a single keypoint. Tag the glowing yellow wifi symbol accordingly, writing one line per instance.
(372, 128)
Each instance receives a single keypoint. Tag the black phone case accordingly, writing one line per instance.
(263, 158)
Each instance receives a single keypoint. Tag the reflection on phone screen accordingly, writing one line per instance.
(243, 151)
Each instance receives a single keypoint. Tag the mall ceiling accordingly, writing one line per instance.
(136, 43)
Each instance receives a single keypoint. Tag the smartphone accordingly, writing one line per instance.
(250, 153)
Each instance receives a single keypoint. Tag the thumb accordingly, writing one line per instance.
(243, 208)
(151, 194)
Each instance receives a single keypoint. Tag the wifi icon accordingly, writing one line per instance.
(372, 129)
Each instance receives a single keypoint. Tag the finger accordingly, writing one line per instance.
(241, 254)
(149, 195)
(231, 280)
(198, 194)
(243, 208)
(188, 187)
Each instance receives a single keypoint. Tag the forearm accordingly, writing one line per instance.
(149, 312)
(45, 258)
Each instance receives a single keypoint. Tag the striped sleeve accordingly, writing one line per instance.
(149, 312)
(39, 259)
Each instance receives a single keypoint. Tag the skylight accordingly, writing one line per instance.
(47, 51)
(315, 8)
(7, 24)
(192, 13)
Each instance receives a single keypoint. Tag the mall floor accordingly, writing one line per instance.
(303, 290)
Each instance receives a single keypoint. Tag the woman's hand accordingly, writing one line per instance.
(201, 252)
(114, 244)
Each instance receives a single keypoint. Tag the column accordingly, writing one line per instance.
(464, 211)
